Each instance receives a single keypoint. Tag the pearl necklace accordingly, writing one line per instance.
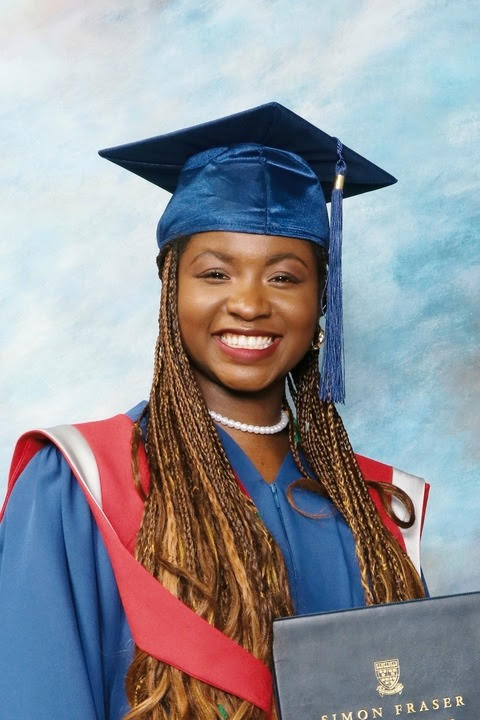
(257, 429)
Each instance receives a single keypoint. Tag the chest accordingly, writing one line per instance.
(316, 543)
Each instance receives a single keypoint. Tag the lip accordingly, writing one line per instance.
(247, 354)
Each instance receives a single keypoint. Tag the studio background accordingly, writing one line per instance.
(78, 288)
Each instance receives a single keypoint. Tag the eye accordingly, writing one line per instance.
(214, 274)
(283, 278)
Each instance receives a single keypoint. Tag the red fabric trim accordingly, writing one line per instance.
(110, 443)
(374, 470)
(25, 449)
(379, 472)
(160, 623)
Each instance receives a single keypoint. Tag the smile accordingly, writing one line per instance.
(248, 342)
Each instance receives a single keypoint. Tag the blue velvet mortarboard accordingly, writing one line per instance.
(265, 171)
(246, 188)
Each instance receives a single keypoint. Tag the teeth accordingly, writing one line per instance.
(255, 342)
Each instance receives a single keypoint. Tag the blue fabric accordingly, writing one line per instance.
(135, 413)
(65, 643)
(319, 552)
(332, 385)
(246, 188)
(160, 159)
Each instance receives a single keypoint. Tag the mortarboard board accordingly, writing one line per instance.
(267, 171)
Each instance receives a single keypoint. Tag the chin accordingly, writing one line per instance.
(246, 383)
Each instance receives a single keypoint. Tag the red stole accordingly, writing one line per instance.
(160, 623)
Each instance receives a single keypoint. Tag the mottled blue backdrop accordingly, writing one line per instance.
(395, 80)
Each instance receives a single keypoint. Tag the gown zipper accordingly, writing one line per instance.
(293, 590)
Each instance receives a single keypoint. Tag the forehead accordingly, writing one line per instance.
(247, 247)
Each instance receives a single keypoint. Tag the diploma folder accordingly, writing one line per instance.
(415, 660)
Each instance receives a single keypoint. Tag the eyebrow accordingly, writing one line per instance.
(271, 260)
(219, 255)
(285, 256)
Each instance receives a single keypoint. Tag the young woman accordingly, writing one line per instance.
(144, 558)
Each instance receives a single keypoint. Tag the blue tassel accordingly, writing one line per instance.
(332, 386)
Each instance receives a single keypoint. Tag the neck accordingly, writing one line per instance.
(259, 408)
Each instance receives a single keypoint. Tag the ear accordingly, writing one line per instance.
(322, 299)
(321, 258)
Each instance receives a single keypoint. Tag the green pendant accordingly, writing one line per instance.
(297, 432)
(222, 711)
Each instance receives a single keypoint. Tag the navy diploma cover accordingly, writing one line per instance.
(416, 660)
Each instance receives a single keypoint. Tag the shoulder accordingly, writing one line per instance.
(415, 487)
(46, 509)
(59, 604)
(95, 458)
(42, 482)
(417, 490)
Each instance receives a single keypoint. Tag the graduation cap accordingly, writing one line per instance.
(266, 171)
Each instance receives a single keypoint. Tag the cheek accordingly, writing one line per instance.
(186, 311)
(305, 332)
(195, 312)
(304, 316)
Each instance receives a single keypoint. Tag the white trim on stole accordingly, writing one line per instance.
(415, 489)
(80, 456)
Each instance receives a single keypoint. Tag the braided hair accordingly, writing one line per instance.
(202, 538)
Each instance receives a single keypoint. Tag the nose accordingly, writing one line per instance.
(249, 300)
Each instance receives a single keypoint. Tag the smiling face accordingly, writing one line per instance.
(247, 308)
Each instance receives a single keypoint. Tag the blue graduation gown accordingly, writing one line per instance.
(65, 644)
(319, 553)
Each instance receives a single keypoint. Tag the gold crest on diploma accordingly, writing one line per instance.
(388, 676)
